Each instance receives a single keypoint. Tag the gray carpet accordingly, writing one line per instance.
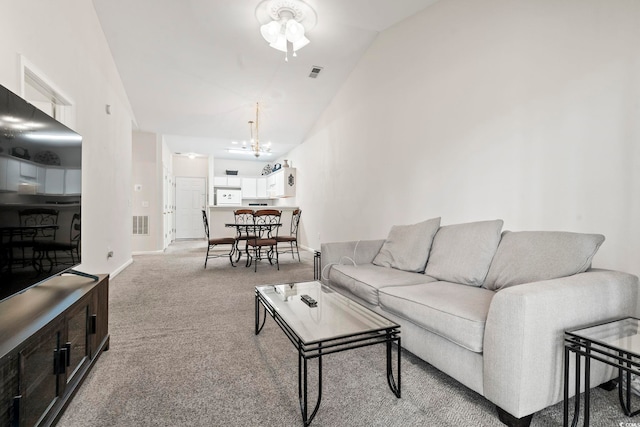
(183, 353)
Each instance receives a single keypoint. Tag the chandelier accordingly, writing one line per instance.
(284, 23)
(255, 141)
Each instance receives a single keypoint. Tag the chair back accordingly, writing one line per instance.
(74, 232)
(295, 221)
(206, 223)
(243, 216)
(267, 217)
(40, 216)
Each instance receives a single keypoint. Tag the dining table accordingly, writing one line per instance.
(247, 231)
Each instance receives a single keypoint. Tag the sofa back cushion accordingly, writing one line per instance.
(531, 256)
(407, 246)
(462, 253)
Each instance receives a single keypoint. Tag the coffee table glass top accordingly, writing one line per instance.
(335, 316)
(623, 334)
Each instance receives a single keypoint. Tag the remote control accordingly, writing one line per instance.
(308, 300)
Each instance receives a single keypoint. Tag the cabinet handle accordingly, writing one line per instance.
(15, 418)
(67, 347)
(60, 361)
(93, 323)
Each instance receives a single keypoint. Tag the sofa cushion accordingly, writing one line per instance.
(462, 253)
(453, 311)
(532, 256)
(407, 246)
(364, 280)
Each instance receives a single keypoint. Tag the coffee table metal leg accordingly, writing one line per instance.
(395, 387)
(303, 389)
(264, 318)
(587, 382)
(625, 403)
(576, 410)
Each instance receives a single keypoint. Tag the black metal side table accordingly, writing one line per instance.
(615, 343)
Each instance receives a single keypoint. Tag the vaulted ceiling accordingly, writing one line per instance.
(194, 69)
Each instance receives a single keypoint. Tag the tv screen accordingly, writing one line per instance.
(40, 195)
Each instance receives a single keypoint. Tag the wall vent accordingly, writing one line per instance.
(141, 225)
(315, 70)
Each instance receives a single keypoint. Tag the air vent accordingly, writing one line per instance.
(141, 225)
(315, 71)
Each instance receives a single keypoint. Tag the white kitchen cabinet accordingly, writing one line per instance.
(73, 181)
(42, 177)
(234, 181)
(261, 188)
(282, 183)
(29, 171)
(249, 188)
(54, 181)
(254, 187)
(219, 181)
(3, 173)
(13, 174)
(227, 181)
(32, 178)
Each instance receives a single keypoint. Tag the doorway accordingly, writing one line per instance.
(190, 200)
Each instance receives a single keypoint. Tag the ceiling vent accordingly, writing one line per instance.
(315, 70)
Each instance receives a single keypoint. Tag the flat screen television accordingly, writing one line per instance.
(40, 195)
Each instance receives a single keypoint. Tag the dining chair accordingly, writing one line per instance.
(52, 249)
(36, 218)
(243, 216)
(266, 223)
(215, 241)
(292, 238)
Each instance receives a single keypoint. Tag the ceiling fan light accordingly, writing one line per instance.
(294, 30)
(271, 31)
(300, 43)
(280, 44)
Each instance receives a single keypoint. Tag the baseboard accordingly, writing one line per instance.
(161, 251)
(307, 248)
(121, 268)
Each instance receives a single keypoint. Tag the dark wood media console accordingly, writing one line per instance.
(50, 337)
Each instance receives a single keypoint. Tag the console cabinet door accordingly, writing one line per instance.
(77, 340)
(41, 365)
(9, 390)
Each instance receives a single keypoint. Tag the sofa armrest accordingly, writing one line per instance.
(524, 334)
(353, 252)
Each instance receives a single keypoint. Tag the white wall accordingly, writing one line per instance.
(147, 189)
(526, 111)
(63, 39)
(194, 168)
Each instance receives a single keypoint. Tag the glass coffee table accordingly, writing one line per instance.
(615, 343)
(335, 323)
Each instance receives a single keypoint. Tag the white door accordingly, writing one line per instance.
(190, 200)
(168, 207)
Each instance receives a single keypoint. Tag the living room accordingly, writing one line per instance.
(468, 110)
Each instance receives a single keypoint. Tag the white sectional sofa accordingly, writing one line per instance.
(487, 307)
